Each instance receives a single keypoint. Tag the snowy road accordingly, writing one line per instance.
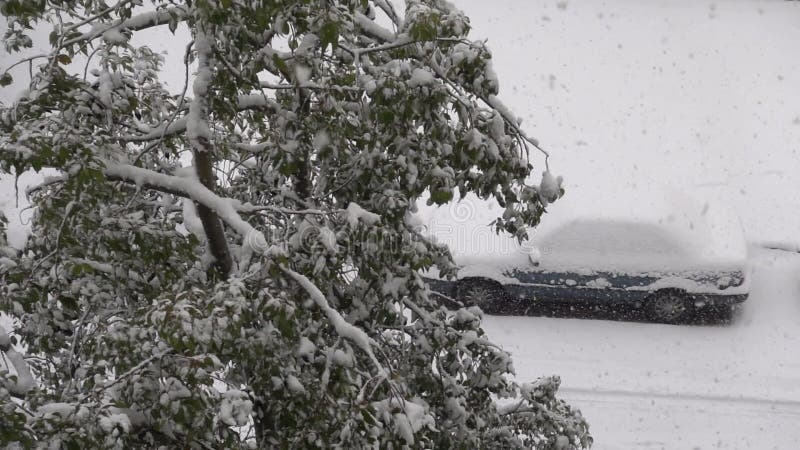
(650, 386)
(628, 420)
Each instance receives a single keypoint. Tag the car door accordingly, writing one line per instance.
(596, 261)
(547, 280)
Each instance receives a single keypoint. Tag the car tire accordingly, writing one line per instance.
(488, 295)
(669, 306)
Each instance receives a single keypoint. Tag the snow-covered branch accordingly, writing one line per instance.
(512, 121)
(198, 132)
(226, 208)
(24, 380)
(279, 210)
(181, 125)
(401, 41)
(373, 29)
(176, 127)
(197, 129)
(194, 190)
(342, 327)
(133, 370)
(256, 101)
(306, 85)
(47, 182)
(392, 40)
(96, 16)
(108, 269)
(496, 104)
(138, 22)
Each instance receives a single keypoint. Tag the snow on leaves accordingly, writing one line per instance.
(314, 130)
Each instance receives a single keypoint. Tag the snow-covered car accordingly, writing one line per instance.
(669, 255)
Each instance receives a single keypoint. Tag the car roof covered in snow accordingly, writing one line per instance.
(646, 227)
(656, 222)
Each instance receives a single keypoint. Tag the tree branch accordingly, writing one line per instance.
(94, 17)
(372, 29)
(25, 381)
(135, 23)
(199, 135)
(227, 209)
(342, 327)
(178, 126)
(392, 40)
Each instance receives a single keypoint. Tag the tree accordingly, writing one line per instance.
(268, 294)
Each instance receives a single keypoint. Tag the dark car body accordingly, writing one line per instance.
(534, 286)
(601, 262)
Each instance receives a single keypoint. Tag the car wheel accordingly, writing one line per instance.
(488, 295)
(669, 306)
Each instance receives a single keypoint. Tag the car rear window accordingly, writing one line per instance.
(606, 238)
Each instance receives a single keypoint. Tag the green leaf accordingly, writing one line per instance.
(441, 196)
(69, 303)
(329, 34)
(6, 79)
(386, 117)
(80, 269)
(425, 28)
(64, 59)
(289, 168)
(367, 416)
(284, 325)
(279, 63)
(37, 164)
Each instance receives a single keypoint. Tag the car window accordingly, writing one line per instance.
(592, 239)
(612, 238)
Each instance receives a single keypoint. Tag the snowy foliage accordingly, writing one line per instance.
(284, 308)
